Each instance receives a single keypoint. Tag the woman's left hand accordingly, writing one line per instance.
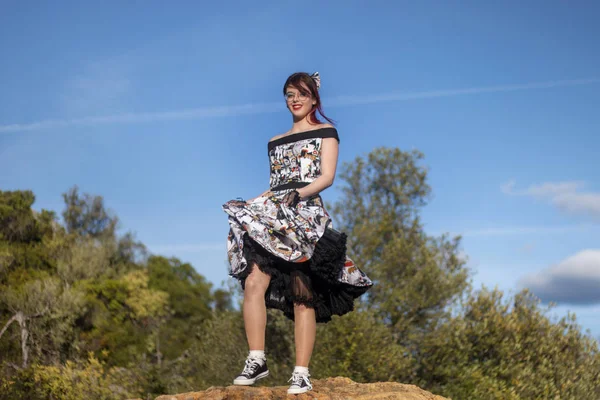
(291, 199)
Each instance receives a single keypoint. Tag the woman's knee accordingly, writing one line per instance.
(257, 282)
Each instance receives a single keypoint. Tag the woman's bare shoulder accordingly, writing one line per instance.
(278, 137)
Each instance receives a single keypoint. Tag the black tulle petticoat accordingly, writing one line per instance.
(314, 283)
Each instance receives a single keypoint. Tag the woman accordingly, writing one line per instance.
(282, 246)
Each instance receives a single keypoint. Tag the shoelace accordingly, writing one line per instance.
(297, 378)
(251, 365)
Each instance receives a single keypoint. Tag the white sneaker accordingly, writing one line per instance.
(255, 369)
(300, 383)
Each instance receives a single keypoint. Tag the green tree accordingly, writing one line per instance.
(361, 348)
(18, 222)
(31, 296)
(87, 379)
(154, 325)
(416, 276)
(44, 311)
(22, 234)
(190, 301)
(83, 260)
(85, 215)
(501, 348)
(217, 354)
(123, 316)
(223, 301)
(86, 218)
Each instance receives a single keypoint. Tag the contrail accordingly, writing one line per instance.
(384, 98)
(263, 108)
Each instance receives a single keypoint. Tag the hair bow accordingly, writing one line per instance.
(317, 79)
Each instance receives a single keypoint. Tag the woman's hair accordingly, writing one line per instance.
(296, 80)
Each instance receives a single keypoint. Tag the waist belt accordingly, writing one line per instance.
(290, 185)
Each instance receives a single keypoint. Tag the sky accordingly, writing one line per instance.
(165, 109)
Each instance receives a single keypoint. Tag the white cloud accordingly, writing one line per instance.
(575, 280)
(508, 187)
(566, 196)
(261, 108)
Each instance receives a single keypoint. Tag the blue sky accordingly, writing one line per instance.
(165, 111)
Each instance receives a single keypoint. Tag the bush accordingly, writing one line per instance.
(361, 348)
(499, 349)
(71, 381)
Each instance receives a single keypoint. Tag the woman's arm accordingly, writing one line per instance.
(329, 157)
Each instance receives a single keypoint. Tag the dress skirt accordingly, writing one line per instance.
(298, 247)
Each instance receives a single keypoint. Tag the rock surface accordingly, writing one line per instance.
(323, 389)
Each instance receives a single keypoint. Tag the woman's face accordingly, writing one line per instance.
(299, 101)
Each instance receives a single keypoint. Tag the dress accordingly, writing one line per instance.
(297, 246)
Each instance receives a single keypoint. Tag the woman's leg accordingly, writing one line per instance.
(255, 321)
(255, 311)
(305, 330)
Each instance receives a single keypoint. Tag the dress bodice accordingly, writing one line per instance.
(297, 157)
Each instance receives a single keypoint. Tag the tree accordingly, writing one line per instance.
(509, 349)
(155, 325)
(86, 215)
(217, 353)
(361, 348)
(85, 260)
(485, 350)
(30, 294)
(190, 301)
(416, 276)
(86, 379)
(40, 300)
(17, 220)
(223, 301)
(87, 219)
(123, 317)
(22, 231)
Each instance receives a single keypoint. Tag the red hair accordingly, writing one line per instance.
(296, 80)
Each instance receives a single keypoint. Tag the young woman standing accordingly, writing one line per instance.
(282, 246)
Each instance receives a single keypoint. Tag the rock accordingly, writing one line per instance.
(323, 389)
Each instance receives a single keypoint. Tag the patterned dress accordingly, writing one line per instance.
(297, 246)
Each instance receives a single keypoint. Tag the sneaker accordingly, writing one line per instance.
(255, 369)
(300, 383)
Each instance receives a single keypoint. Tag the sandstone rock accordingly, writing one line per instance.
(324, 389)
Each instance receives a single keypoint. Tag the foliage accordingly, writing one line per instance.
(86, 216)
(78, 288)
(71, 381)
(358, 347)
(85, 312)
(417, 277)
(190, 301)
(511, 350)
(219, 351)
